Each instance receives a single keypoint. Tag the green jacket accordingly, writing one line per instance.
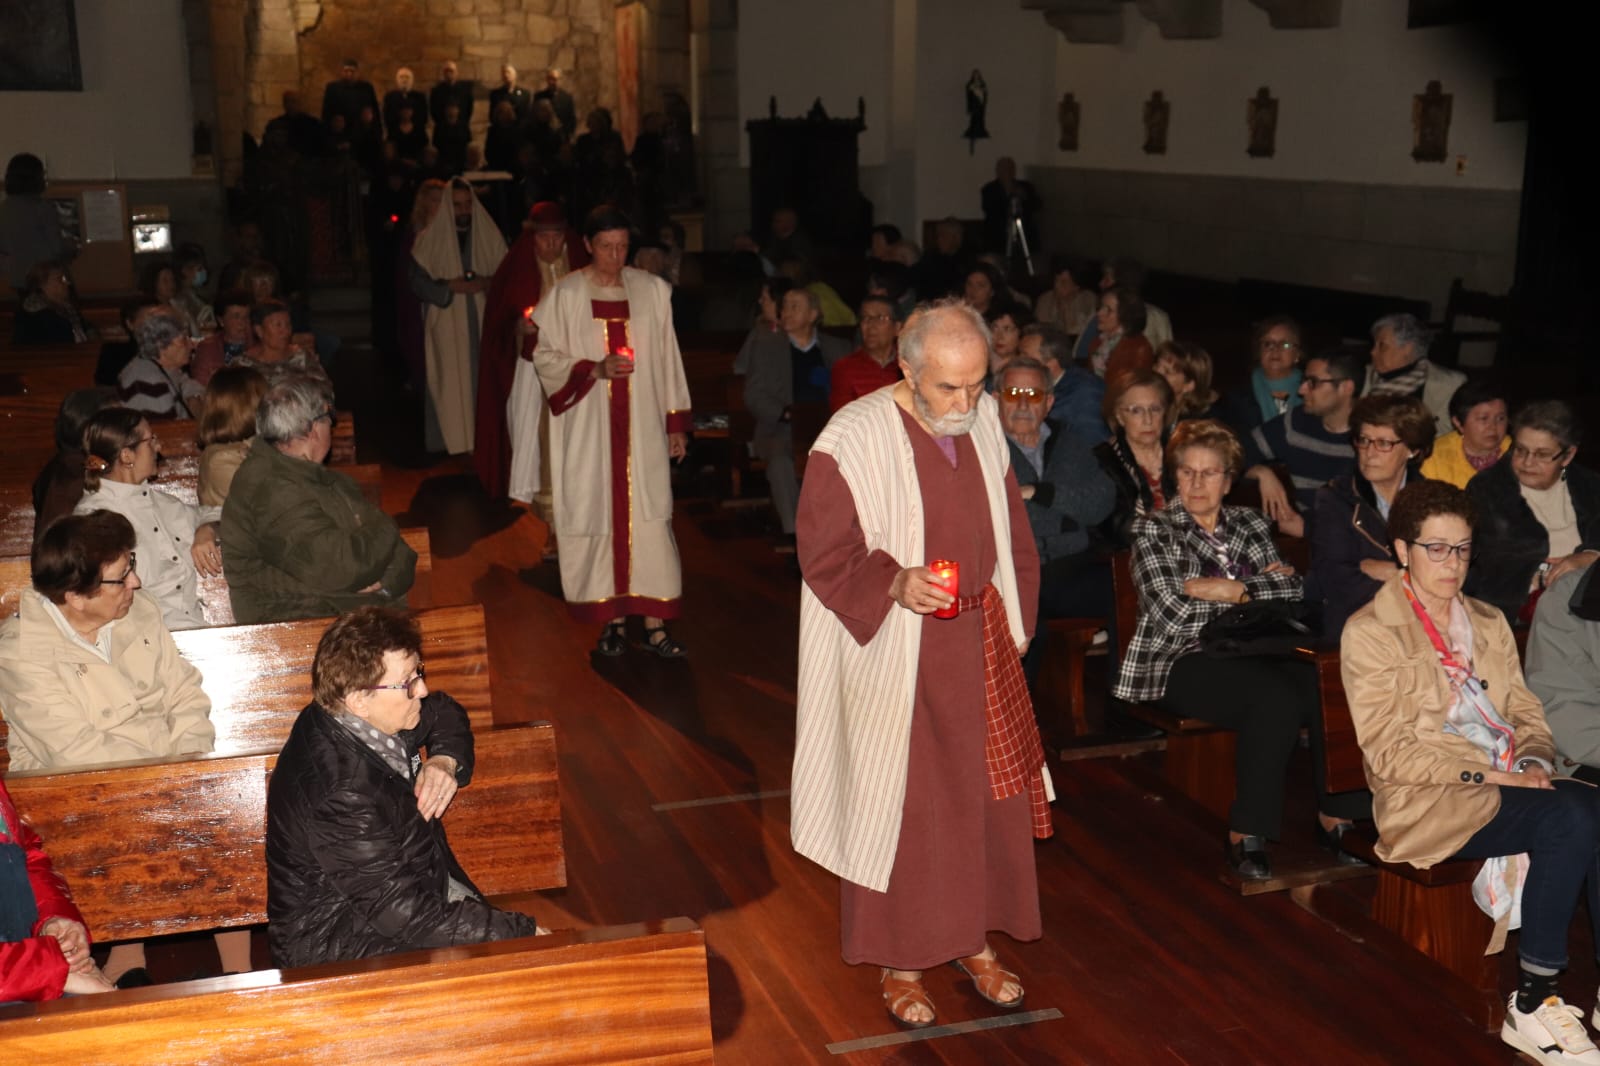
(299, 540)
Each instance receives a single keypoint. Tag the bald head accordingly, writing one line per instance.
(945, 330)
(944, 352)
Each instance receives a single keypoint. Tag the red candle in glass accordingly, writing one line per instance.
(527, 313)
(625, 353)
(948, 574)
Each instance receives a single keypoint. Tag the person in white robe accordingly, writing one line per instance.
(608, 359)
(453, 261)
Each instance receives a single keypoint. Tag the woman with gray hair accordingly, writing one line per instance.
(1400, 367)
(157, 382)
(1539, 513)
(298, 539)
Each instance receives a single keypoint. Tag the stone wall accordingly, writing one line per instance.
(263, 47)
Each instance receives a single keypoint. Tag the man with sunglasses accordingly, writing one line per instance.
(1066, 492)
(357, 860)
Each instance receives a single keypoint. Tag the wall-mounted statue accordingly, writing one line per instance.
(1067, 116)
(977, 109)
(1430, 125)
(1157, 116)
(1261, 115)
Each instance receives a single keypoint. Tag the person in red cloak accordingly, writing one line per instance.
(546, 252)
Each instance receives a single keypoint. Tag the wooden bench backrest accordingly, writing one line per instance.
(177, 439)
(157, 847)
(1124, 600)
(178, 477)
(622, 994)
(1341, 751)
(16, 573)
(258, 677)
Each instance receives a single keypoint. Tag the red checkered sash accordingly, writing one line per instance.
(1011, 745)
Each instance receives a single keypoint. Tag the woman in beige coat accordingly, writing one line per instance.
(89, 674)
(1459, 758)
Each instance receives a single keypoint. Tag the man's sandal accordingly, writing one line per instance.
(899, 995)
(613, 640)
(660, 641)
(988, 978)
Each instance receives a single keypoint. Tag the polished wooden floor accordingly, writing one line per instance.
(674, 779)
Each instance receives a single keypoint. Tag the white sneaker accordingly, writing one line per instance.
(1552, 1032)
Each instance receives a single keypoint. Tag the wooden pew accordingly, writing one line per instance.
(1061, 692)
(1432, 910)
(632, 994)
(258, 677)
(15, 576)
(176, 438)
(1199, 758)
(178, 477)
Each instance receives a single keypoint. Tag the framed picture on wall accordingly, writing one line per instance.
(39, 46)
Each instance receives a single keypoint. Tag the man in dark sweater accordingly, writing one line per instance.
(450, 90)
(347, 97)
(521, 100)
(560, 102)
(405, 94)
(1312, 440)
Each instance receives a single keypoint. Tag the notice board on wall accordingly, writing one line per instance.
(96, 213)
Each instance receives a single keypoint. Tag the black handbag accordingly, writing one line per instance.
(1260, 627)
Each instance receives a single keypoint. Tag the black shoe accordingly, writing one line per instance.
(613, 640)
(1330, 838)
(138, 977)
(1249, 859)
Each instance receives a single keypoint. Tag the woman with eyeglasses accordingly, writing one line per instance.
(1138, 406)
(1460, 759)
(157, 381)
(89, 674)
(298, 537)
(177, 540)
(1191, 562)
(47, 315)
(1540, 512)
(1351, 554)
(1274, 384)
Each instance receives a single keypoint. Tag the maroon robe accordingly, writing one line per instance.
(964, 862)
(516, 286)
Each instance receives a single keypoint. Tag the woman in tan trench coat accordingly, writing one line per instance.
(1460, 760)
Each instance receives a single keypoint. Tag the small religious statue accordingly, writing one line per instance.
(1067, 115)
(1261, 115)
(1430, 125)
(1157, 115)
(977, 106)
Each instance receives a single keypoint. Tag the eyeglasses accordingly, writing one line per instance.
(133, 562)
(1315, 382)
(1439, 551)
(1538, 458)
(1190, 474)
(1017, 393)
(1382, 445)
(408, 686)
(1271, 345)
(1153, 411)
(140, 443)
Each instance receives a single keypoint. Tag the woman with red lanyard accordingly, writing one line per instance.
(1460, 760)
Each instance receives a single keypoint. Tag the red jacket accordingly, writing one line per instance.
(34, 969)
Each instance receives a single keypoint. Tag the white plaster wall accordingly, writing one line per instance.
(134, 119)
(1013, 49)
(1344, 111)
(838, 50)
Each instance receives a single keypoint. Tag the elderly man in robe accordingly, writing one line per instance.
(451, 264)
(619, 404)
(918, 773)
(511, 407)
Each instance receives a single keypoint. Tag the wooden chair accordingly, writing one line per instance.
(259, 677)
(1432, 910)
(1466, 303)
(1199, 758)
(1061, 690)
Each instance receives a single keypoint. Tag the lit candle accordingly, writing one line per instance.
(527, 312)
(948, 574)
(625, 353)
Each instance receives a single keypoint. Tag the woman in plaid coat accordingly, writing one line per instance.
(1191, 562)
